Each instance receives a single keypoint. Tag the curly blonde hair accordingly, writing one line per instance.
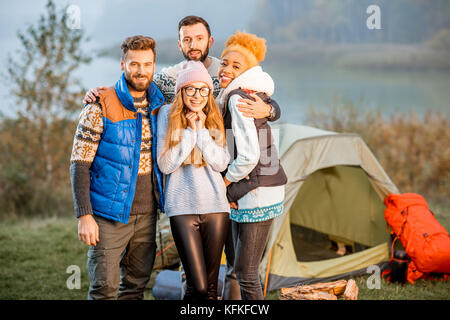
(251, 46)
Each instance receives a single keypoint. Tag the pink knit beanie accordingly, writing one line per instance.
(193, 71)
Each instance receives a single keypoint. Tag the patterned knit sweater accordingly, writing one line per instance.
(86, 141)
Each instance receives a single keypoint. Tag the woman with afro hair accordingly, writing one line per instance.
(255, 179)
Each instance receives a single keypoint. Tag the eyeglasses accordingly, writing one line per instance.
(191, 91)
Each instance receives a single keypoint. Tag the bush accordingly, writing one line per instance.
(22, 196)
(25, 186)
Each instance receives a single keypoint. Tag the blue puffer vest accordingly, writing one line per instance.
(114, 172)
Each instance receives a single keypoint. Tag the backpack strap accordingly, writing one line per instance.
(404, 213)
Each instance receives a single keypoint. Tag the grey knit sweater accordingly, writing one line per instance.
(188, 189)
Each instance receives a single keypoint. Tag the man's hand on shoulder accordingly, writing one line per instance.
(257, 109)
(92, 95)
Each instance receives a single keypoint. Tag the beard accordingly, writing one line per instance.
(134, 84)
(202, 58)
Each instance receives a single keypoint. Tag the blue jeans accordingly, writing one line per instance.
(249, 242)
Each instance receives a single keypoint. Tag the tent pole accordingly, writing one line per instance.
(266, 282)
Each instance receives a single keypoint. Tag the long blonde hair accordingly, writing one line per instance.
(177, 122)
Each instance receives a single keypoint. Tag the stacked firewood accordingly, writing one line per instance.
(348, 290)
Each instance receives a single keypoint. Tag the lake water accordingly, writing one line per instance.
(298, 88)
(319, 87)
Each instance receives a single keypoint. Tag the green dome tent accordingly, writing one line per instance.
(335, 191)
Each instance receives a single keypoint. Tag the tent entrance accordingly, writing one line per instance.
(310, 245)
(338, 202)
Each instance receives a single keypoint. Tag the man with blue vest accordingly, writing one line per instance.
(116, 184)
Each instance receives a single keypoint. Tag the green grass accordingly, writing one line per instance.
(34, 256)
(36, 252)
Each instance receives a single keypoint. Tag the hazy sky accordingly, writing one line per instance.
(108, 22)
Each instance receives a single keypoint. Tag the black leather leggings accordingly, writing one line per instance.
(199, 240)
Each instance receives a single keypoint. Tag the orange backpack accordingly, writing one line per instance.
(426, 242)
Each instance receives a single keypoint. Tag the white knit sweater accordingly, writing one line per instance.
(248, 151)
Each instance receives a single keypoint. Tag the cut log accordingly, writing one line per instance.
(351, 290)
(318, 291)
(308, 296)
(337, 287)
